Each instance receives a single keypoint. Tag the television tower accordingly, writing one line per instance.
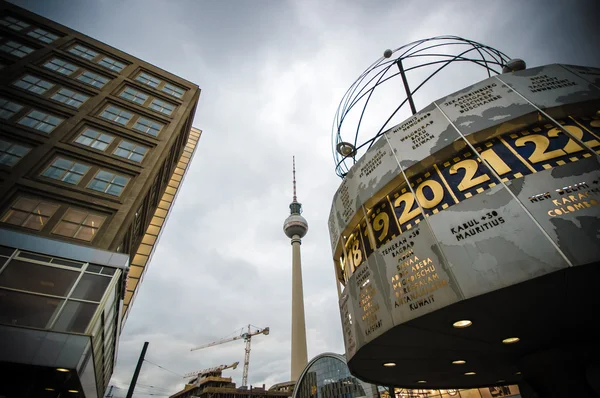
(295, 227)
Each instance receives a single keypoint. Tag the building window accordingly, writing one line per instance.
(29, 213)
(61, 66)
(79, 224)
(8, 108)
(162, 106)
(147, 79)
(11, 153)
(66, 170)
(83, 52)
(173, 90)
(33, 84)
(148, 126)
(131, 151)
(69, 97)
(41, 121)
(117, 115)
(93, 79)
(94, 139)
(42, 35)
(107, 182)
(111, 64)
(133, 95)
(13, 23)
(16, 49)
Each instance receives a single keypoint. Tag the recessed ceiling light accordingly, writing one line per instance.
(465, 323)
(421, 381)
(470, 373)
(511, 340)
(389, 364)
(517, 373)
(500, 381)
(62, 370)
(49, 389)
(73, 391)
(459, 362)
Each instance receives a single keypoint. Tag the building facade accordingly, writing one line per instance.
(94, 145)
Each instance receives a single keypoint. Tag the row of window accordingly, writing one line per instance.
(34, 214)
(94, 56)
(35, 119)
(72, 172)
(39, 86)
(138, 97)
(43, 87)
(46, 122)
(20, 50)
(33, 31)
(11, 152)
(68, 69)
(155, 82)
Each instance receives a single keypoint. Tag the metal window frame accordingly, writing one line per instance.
(79, 226)
(18, 48)
(78, 51)
(33, 32)
(120, 110)
(40, 122)
(39, 79)
(66, 171)
(56, 61)
(72, 97)
(100, 132)
(11, 144)
(110, 183)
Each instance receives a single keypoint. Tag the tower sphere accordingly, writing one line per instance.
(295, 225)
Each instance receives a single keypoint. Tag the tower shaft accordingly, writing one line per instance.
(299, 350)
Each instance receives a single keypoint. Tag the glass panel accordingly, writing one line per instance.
(36, 257)
(67, 263)
(25, 204)
(75, 216)
(66, 229)
(38, 278)
(114, 190)
(91, 287)
(75, 317)
(6, 251)
(85, 233)
(108, 271)
(93, 268)
(26, 309)
(36, 222)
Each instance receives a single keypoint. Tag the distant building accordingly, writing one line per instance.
(327, 376)
(94, 144)
(214, 385)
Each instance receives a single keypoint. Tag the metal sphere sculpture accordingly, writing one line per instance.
(433, 54)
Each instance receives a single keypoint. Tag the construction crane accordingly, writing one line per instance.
(247, 338)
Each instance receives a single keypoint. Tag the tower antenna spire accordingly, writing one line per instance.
(294, 174)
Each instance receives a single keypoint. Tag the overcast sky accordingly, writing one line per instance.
(272, 74)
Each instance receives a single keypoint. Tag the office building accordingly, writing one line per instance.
(94, 145)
